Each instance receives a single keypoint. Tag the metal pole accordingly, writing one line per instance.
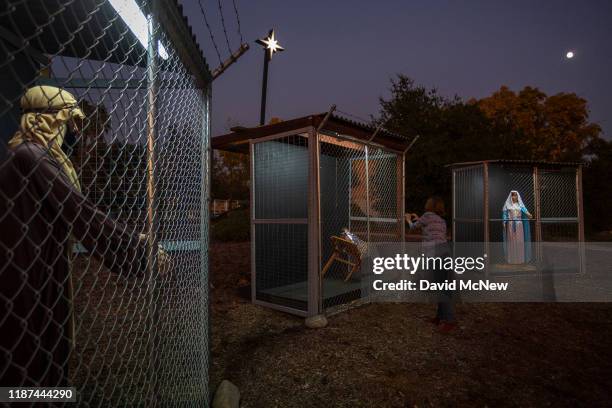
(315, 293)
(367, 177)
(375, 133)
(412, 143)
(454, 198)
(326, 118)
(264, 89)
(538, 215)
(252, 210)
(206, 158)
(403, 200)
(580, 205)
(151, 219)
(228, 62)
(485, 178)
(315, 284)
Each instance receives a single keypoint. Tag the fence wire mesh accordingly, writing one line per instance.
(280, 221)
(502, 179)
(105, 277)
(549, 193)
(360, 190)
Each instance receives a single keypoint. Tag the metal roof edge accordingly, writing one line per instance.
(175, 25)
(514, 161)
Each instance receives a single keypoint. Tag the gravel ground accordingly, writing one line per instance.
(388, 355)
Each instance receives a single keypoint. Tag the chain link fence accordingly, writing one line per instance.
(105, 278)
(550, 192)
(360, 190)
(298, 214)
(280, 221)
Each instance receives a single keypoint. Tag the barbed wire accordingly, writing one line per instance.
(238, 21)
(229, 48)
(355, 117)
(212, 36)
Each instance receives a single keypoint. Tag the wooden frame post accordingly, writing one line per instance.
(252, 212)
(485, 212)
(401, 202)
(314, 226)
(580, 208)
(538, 212)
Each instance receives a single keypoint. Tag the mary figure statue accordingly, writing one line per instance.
(517, 236)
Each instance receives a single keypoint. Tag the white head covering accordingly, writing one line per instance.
(509, 204)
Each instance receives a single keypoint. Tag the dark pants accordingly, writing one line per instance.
(446, 310)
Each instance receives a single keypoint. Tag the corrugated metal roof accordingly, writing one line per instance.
(340, 125)
(91, 30)
(366, 126)
(516, 161)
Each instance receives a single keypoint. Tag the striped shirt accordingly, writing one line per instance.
(434, 227)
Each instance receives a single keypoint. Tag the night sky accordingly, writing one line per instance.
(345, 52)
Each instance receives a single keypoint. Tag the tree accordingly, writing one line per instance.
(506, 125)
(541, 127)
(230, 175)
(596, 186)
(450, 131)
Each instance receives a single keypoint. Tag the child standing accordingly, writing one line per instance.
(435, 244)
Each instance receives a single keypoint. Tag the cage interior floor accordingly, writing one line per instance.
(299, 290)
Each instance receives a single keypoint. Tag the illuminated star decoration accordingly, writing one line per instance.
(270, 43)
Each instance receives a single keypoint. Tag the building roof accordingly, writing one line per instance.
(518, 162)
(90, 29)
(238, 139)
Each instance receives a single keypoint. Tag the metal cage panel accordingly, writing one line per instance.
(280, 168)
(306, 187)
(142, 160)
(551, 192)
(468, 204)
(361, 189)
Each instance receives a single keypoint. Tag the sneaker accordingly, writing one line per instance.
(447, 327)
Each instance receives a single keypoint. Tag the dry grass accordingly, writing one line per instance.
(388, 355)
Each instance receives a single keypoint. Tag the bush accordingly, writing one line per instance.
(234, 226)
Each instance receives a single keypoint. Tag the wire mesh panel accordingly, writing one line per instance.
(504, 179)
(280, 221)
(468, 200)
(544, 196)
(559, 215)
(343, 205)
(384, 189)
(103, 199)
(360, 191)
(558, 192)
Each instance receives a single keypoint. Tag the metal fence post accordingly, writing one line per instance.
(252, 220)
(454, 203)
(367, 177)
(142, 160)
(151, 219)
(485, 184)
(538, 213)
(315, 301)
(580, 205)
(206, 158)
(403, 199)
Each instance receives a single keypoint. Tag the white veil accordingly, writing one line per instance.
(509, 204)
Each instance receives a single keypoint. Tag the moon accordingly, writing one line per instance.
(569, 55)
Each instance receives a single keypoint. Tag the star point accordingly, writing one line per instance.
(270, 44)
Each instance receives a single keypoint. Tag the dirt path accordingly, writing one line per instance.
(388, 355)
